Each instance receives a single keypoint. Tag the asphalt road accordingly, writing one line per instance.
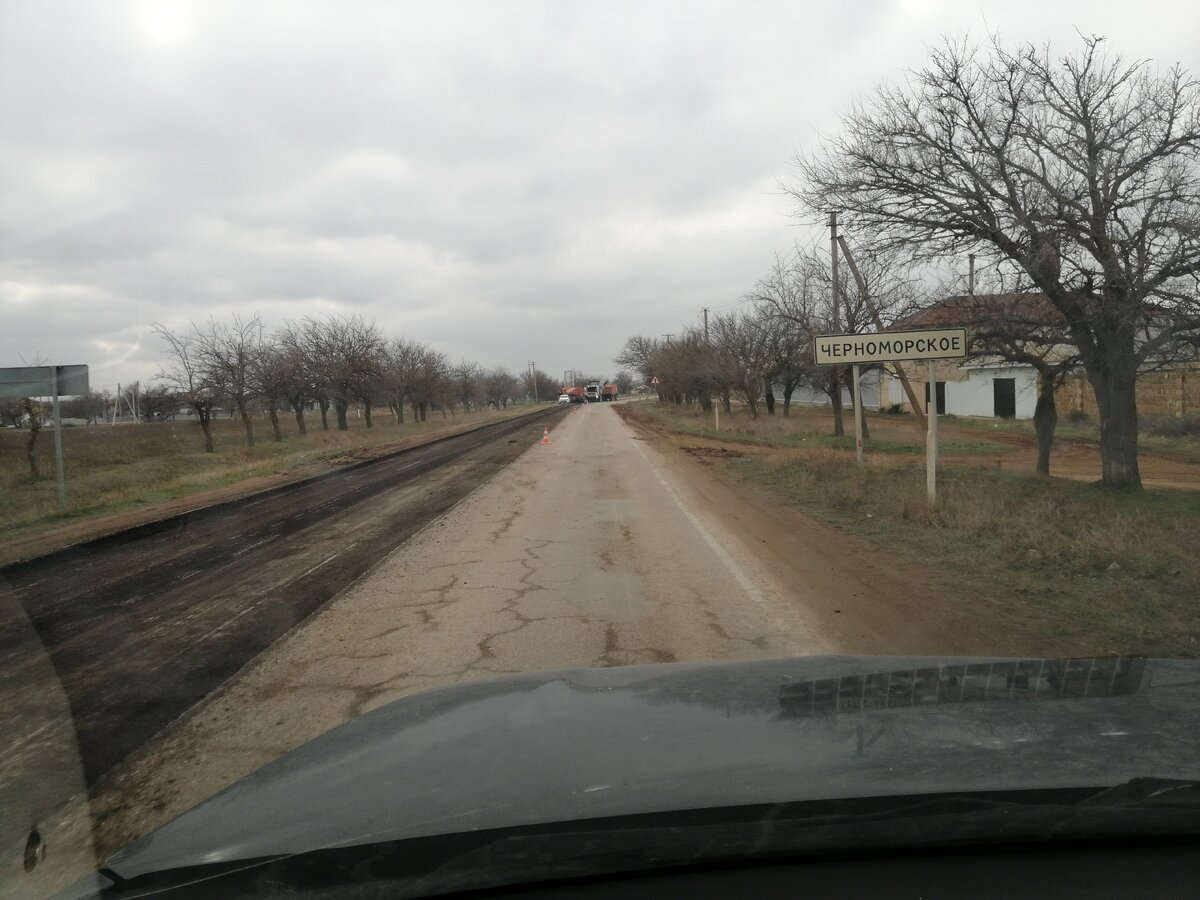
(143, 624)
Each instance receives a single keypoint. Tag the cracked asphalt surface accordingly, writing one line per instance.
(585, 552)
(142, 624)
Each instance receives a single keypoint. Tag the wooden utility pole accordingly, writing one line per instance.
(835, 394)
(878, 322)
(706, 324)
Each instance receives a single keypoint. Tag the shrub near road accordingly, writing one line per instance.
(1102, 570)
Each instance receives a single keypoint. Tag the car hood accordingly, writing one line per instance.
(589, 743)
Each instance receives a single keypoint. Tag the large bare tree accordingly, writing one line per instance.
(1081, 170)
(185, 374)
(228, 351)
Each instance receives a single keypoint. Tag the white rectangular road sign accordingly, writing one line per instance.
(845, 349)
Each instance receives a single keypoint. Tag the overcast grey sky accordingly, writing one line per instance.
(504, 180)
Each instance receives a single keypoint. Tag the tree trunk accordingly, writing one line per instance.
(324, 405)
(1045, 420)
(770, 399)
(1116, 400)
(367, 412)
(787, 399)
(340, 408)
(725, 405)
(35, 428)
(206, 427)
(298, 408)
(273, 414)
(246, 424)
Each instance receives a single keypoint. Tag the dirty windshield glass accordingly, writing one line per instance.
(426, 419)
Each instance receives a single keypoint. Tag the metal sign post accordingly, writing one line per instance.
(892, 346)
(58, 456)
(47, 381)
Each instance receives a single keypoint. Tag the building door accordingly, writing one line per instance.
(1004, 391)
(941, 397)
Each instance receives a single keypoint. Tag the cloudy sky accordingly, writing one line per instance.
(508, 181)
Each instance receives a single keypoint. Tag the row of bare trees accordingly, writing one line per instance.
(1078, 175)
(322, 365)
(1075, 181)
(767, 343)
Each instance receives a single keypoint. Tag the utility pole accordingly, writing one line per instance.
(706, 324)
(878, 322)
(836, 392)
(971, 274)
(533, 378)
(668, 337)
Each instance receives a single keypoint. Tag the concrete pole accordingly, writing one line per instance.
(836, 391)
(931, 437)
(858, 418)
(58, 453)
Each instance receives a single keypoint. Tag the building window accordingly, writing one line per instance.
(941, 397)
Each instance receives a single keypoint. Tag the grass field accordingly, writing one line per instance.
(113, 468)
(1105, 571)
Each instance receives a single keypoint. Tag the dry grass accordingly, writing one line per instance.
(1044, 547)
(110, 468)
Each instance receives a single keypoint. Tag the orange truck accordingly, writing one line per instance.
(609, 391)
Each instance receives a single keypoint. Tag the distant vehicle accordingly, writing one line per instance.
(609, 392)
(575, 393)
(592, 392)
(564, 398)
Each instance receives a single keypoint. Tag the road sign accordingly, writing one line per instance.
(886, 346)
(53, 382)
(654, 379)
(35, 381)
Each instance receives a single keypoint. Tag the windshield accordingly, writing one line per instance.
(476, 376)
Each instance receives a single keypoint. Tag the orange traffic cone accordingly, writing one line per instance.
(545, 435)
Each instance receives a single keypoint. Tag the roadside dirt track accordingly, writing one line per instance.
(142, 624)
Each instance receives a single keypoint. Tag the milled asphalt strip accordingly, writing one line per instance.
(133, 656)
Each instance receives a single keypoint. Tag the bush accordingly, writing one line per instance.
(1170, 426)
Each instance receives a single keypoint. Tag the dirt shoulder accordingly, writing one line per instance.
(866, 599)
(1006, 564)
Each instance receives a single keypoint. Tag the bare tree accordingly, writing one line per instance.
(187, 376)
(1081, 171)
(298, 373)
(347, 350)
(1022, 328)
(228, 352)
(271, 370)
(499, 386)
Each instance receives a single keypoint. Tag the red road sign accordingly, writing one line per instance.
(654, 379)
